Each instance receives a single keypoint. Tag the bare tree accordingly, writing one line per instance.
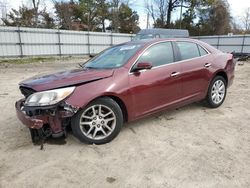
(220, 17)
(65, 13)
(158, 11)
(35, 4)
(215, 19)
(161, 10)
(236, 27)
(246, 20)
(115, 4)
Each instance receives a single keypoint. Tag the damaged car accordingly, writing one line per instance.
(121, 84)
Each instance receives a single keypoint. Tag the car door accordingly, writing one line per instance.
(158, 87)
(195, 63)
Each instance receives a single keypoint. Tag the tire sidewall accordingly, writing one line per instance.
(209, 94)
(75, 123)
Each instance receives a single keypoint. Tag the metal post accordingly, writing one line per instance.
(218, 42)
(131, 37)
(88, 42)
(243, 43)
(59, 43)
(20, 41)
(111, 39)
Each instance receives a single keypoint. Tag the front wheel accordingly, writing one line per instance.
(98, 123)
(217, 92)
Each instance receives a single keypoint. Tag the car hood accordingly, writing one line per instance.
(65, 79)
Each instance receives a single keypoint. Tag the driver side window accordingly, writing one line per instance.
(158, 54)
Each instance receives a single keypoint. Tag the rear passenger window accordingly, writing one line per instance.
(158, 54)
(202, 51)
(188, 50)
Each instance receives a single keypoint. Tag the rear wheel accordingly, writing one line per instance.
(217, 92)
(98, 123)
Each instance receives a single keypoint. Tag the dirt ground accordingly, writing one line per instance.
(190, 147)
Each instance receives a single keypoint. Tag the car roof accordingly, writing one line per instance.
(148, 42)
(151, 41)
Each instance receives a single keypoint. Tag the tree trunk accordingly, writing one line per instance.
(35, 8)
(170, 6)
(103, 25)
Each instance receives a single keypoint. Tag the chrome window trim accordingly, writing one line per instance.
(203, 49)
(181, 61)
(197, 47)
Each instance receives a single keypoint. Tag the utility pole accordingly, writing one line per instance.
(88, 8)
(115, 18)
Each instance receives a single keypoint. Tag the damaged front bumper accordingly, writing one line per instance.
(45, 121)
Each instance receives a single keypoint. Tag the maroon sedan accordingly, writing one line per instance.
(124, 83)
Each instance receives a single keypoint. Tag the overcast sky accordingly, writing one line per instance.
(237, 7)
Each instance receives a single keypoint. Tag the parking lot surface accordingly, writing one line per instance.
(189, 147)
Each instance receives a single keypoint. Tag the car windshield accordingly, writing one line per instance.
(113, 57)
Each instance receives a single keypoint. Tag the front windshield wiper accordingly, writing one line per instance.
(80, 65)
(89, 67)
(86, 67)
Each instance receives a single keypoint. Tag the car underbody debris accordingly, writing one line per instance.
(46, 122)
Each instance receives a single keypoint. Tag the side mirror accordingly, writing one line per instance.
(142, 66)
(92, 55)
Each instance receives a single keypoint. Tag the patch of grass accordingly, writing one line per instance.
(27, 60)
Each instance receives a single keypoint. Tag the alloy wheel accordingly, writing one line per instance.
(97, 122)
(218, 91)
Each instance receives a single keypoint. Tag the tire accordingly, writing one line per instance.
(34, 136)
(101, 116)
(216, 95)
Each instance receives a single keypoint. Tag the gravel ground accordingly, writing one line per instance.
(190, 147)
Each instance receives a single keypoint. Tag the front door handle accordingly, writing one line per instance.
(207, 65)
(174, 74)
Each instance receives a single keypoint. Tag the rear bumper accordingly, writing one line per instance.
(230, 69)
(34, 122)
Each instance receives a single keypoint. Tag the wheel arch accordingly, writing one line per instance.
(209, 101)
(223, 74)
(119, 101)
(218, 73)
(122, 105)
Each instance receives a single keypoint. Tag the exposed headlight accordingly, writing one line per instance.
(49, 97)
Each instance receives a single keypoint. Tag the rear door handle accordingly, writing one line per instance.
(207, 65)
(174, 74)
